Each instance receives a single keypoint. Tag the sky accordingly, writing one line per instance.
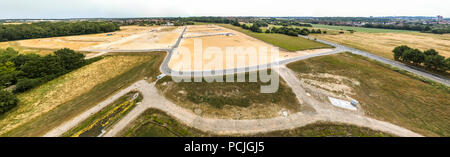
(47, 9)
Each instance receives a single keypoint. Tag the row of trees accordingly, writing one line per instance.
(429, 58)
(417, 27)
(27, 71)
(53, 29)
(293, 31)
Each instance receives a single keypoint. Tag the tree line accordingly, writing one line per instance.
(54, 29)
(429, 58)
(26, 71)
(291, 31)
(417, 27)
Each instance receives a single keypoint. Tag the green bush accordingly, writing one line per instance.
(7, 101)
(26, 84)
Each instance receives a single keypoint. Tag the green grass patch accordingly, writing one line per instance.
(155, 123)
(388, 94)
(286, 42)
(219, 94)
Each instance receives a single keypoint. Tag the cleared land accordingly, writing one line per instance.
(383, 93)
(154, 123)
(212, 36)
(128, 38)
(49, 105)
(105, 118)
(382, 44)
(231, 100)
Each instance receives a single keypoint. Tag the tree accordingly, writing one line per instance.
(409, 55)
(398, 51)
(447, 64)
(255, 28)
(7, 101)
(430, 52)
(26, 84)
(70, 59)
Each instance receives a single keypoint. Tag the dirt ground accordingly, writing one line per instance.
(383, 43)
(214, 42)
(128, 38)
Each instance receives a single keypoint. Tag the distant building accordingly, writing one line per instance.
(440, 18)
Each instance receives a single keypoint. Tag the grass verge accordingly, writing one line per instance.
(388, 94)
(231, 99)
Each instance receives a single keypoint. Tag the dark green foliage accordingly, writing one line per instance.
(26, 84)
(53, 29)
(69, 59)
(7, 101)
(31, 70)
(430, 58)
(398, 51)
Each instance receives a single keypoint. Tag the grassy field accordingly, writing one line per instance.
(230, 99)
(105, 118)
(386, 94)
(286, 42)
(361, 29)
(154, 123)
(25, 50)
(50, 105)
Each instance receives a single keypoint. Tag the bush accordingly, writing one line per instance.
(7, 101)
(26, 84)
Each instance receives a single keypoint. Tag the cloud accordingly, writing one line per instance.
(174, 8)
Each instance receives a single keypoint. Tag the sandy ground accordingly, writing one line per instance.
(214, 43)
(128, 38)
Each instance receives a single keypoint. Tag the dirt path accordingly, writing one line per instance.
(152, 99)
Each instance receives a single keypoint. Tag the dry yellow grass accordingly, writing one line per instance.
(24, 50)
(63, 89)
(383, 43)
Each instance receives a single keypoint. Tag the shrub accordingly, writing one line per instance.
(25, 84)
(7, 101)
